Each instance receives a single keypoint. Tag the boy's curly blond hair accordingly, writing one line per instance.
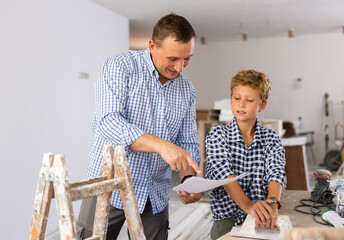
(256, 80)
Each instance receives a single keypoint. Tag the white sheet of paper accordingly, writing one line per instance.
(198, 185)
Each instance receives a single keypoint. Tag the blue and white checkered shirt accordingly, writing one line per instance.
(131, 101)
(227, 154)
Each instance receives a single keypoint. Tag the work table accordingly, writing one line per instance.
(290, 199)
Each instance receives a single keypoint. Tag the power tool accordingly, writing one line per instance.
(338, 185)
(321, 192)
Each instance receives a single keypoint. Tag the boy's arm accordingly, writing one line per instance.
(264, 214)
(275, 190)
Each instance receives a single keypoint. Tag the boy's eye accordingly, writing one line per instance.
(250, 100)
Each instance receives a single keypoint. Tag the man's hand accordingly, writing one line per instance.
(187, 198)
(177, 157)
(264, 213)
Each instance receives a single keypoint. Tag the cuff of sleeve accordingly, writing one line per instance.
(280, 181)
(131, 136)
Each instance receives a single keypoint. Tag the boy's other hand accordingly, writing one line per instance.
(274, 207)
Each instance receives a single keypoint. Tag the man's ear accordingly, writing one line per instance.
(151, 45)
(262, 106)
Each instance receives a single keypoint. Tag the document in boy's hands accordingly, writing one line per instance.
(198, 185)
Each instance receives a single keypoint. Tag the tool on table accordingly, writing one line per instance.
(339, 186)
(332, 218)
(321, 197)
(321, 191)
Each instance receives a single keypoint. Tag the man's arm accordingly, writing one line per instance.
(111, 95)
(176, 157)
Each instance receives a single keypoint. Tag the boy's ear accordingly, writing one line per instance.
(262, 106)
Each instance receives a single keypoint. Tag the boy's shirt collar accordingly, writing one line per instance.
(237, 137)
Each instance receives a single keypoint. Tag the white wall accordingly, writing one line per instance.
(317, 59)
(44, 106)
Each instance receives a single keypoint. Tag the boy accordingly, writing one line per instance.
(245, 146)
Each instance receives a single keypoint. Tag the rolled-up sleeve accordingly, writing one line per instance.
(217, 165)
(111, 98)
(275, 163)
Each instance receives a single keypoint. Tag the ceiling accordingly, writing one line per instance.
(225, 20)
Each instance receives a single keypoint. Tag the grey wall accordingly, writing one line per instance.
(44, 106)
(316, 59)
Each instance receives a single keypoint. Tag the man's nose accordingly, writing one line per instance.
(179, 66)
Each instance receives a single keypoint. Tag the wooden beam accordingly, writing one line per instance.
(95, 189)
(88, 181)
(129, 201)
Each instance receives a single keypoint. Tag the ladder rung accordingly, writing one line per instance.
(88, 181)
(92, 238)
(94, 189)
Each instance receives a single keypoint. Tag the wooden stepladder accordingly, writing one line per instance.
(53, 182)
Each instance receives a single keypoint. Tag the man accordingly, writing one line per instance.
(145, 103)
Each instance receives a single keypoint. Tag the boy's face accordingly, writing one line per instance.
(171, 58)
(246, 103)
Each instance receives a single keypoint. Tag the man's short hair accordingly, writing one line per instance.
(256, 80)
(172, 25)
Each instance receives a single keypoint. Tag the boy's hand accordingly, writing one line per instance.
(274, 207)
(187, 198)
(264, 213)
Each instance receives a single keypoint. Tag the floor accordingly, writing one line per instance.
(174, 205)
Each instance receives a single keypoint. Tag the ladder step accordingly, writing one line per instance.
(88, 181)
(94, 189)
(93, 238)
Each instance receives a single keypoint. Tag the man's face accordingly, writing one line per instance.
(171, 57)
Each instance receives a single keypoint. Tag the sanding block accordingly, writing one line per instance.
(248, 229)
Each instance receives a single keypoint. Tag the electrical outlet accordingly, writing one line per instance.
(83, 75)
